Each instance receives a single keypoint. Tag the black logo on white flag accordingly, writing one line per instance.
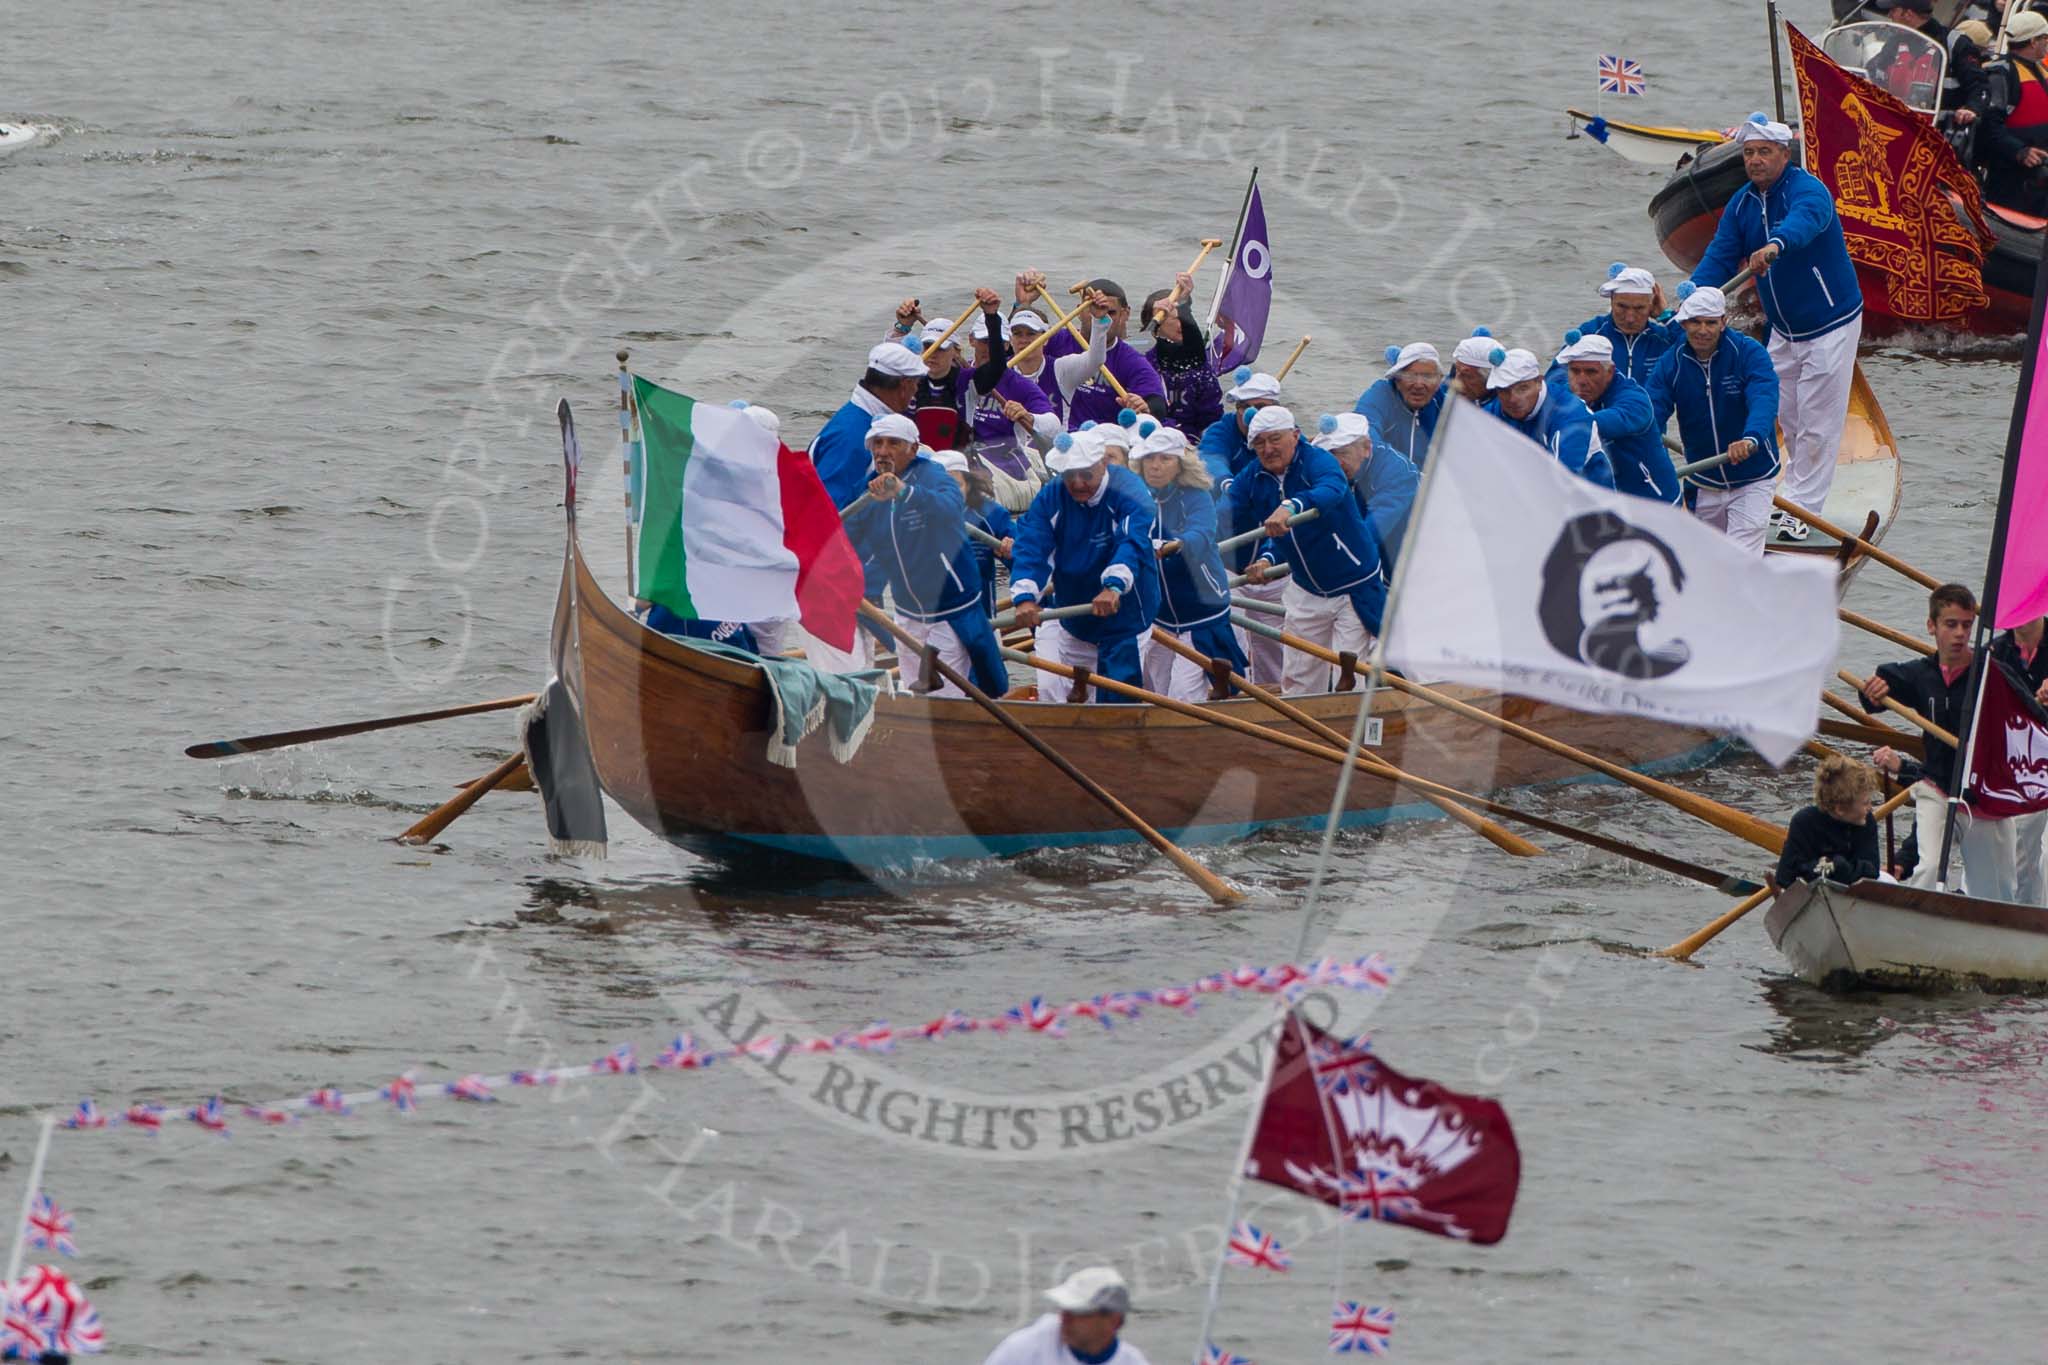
(1605, 583)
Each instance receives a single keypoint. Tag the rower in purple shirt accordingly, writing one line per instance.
(1012, 416)
(1096, 401)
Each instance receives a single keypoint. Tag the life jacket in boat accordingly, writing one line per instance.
(2030, 110)
(1909, 71)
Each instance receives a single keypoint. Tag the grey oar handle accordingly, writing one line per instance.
(1259, 532)
(1711, 462)
(866, 500)
(1009, 618)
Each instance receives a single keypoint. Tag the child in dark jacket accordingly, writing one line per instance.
(1836, 836)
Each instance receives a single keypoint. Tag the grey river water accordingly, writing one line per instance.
(286, 297)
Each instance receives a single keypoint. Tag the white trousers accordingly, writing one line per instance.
(1742, 514)
(1331, 622)
(1813, 406)
(1986, 847)
(1052, 643)
(939, 635)
(1267, 658)
(1169, 673)
(826, 658)
(2030, 848)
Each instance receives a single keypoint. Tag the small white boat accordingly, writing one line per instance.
(1884, 934)
(1646, 144)
(15, 136)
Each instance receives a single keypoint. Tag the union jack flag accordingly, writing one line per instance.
(541, 1077)
(1367, 1330)
(1620, 76)
(49, 1227)
(1248, 978)
(148, 1117)
(1174, 998)
(876, 1037)
(1370, 972)
(620, 1061)
(1249, 1246)
(210, 1116)
(1377, 1195)
(823, 1044)
(265, 1114)
(402, 1093)
(1216, 1355)
(87, 1115)
(69, 1323)
(683, 1055)
(1035, 1015)
(767, 1045)
(328, 1100)
(21, 1336)
(1340, 1067)
(472, 1089)
(952, 1021)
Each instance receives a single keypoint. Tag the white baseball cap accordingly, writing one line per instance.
(893, 424)
(1097, 1289)
(1702, 303)
(1760, 127)
(896, 358)
(1074, 450)
(1252, 387)
(1593, 347)
(1627, 279)
(1028, 320)
(1512, 367)
(1275, 418)
(952, 460)
(1341, 429)
(1400, 358)
(1476, 350)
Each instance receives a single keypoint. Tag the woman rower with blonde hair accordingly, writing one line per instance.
(1195, 606)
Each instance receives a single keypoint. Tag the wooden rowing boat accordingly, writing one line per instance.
(1883, 934)
(1646, 144)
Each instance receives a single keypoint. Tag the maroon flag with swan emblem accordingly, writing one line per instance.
(2008, 750)
(1340, 1125)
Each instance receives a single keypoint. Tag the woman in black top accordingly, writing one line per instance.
(1837, 829)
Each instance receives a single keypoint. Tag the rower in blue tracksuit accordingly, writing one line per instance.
(1783, 225)
(1630, 323)
(984, 514)
(1382, 479)
(1225, 448)
(1336, 591)
(1555, 419)
(1086, 540)
(840, 450)
(1725, 394)
(1404, 403)
(913, 538)
(1195, 605)
(1622, 417)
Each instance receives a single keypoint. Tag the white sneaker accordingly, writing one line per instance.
(1792, 528)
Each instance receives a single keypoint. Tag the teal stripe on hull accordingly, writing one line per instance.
(891, 851)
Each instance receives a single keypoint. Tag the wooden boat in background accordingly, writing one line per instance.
(1645, 144)
(1883, 934)
(1868, 478)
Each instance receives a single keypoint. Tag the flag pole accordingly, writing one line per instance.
(1230, 264)
(28, 1201)
(627, 417)
(1374, 680)
(1994, 565)
(1777, 70)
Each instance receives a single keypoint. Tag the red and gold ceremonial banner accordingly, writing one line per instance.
(1892, 174)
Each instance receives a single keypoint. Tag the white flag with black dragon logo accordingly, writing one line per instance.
(1524, 577)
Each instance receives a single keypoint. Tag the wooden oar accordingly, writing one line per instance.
(974, 310)
(1214, 886)
(1037, 343)
(1743, 825)
(1826, 527)
(1900, 710)
(1877, 736)
(1855, 713)
(1885, 632)
(250, 744)
(1686, 947)
(446, 814)
(1494, 834)
(1067, 320)
(1299, 347)
(1167, 305)
(1893, 802)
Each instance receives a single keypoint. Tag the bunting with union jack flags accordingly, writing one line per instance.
(49, 1227)
(1356, 1328)
(1250, 1247)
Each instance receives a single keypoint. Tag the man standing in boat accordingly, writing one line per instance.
(840, 451)
(1087, 538)
(1091, 1304)
(1336, 590)
(1722, 388)
(1938, 687)
(913, 540)
(1783, 226)
(1623, 419)
(1634, 298)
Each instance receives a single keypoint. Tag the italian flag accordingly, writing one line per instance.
(734, 525)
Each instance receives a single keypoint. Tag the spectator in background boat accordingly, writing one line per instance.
(1095, 401)
(1904, 67)
(1623, 418)
(1722, 388)
(1403, 404)
(1226, 451)
(1471, 359)
(1087, 538)
(840, 451)
(2012, 141)
(1783, 226)
(1938, 687)
(913, 538)
(1382, 479)
(1092, 1304)
(1630, 324)
(1552, 417)
(1194, 397)
(1194, 605)
(1836, 836)
(2020, 650)
(1336, 590)
(1969, 53)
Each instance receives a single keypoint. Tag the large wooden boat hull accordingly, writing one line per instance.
(1883, 934)
(1685, 212)
(679, 739)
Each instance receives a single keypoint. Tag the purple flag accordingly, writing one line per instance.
(1240, 322)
